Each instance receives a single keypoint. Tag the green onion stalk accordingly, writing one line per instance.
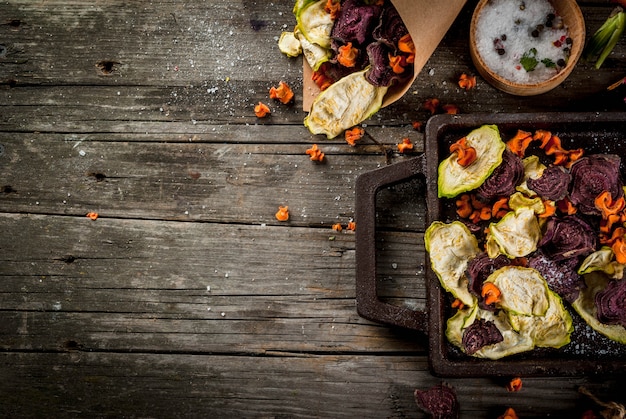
(604, 40)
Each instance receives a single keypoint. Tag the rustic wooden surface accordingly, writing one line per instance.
(186, 298)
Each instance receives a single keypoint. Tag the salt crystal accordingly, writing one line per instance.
(511, 39)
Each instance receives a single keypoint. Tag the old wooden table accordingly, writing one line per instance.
(186, 298)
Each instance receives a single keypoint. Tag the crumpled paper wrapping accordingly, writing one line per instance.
(427, 22)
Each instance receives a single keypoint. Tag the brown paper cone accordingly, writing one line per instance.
(427, 22)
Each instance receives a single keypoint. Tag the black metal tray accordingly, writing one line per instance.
(588, 353)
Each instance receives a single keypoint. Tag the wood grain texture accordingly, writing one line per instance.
(186, 298)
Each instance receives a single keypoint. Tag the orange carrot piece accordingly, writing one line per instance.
(351, 226)
(608, 237)
(501, 204)
(485, 213)
(467, 82)
(463, 206)
(405, 44)
(520, 142)
(477, 203)
(315, 153)
(466, 154)
(353, 135)
(405, 145)
(509, 413)
(450, 109)
(347, 55)
(283, 213)
(92, 216)
(475, 216)
(514, 385)
(457, 304)
(543, 136)
(606, 224)
(261, 110)
(604, 202)
(566, 206)
(619, 248)
(575, 155)
(550, 209)
(282, 93)
(337, 227)
(332, 8)
(432, 105)
(397, 63)
(490, 292)
(321, 80)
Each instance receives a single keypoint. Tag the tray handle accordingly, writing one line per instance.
(368, 304)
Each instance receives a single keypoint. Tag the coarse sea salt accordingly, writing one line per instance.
(525, 42)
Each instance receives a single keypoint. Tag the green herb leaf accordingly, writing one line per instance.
(529, 60)
(548, 63)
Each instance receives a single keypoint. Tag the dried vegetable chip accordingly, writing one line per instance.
(516, 235)
(554, 236)
(451, 247)
(343, 105)
(585, 305)
(455, 179)
(340, 39)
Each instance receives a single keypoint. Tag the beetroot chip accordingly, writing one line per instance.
(439, 401)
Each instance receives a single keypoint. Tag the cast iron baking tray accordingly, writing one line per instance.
(589, 353)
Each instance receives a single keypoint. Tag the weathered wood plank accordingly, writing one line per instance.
(110, 318)
(199, 181)
(78, 383)
(217, 81)
(193, 287)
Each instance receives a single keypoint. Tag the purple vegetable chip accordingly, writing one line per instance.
(380, 73)
(356, 22)
(611, 303)
(567, 237)
(504, 179)
(479, 334)
(593, 175)
(439, 401)
(479, 269)
(553, 183)
(562, 277)
(390, 27)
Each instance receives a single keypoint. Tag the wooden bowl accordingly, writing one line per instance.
(573, 20)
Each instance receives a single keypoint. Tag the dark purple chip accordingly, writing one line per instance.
(480, 334)
(356, 22)
(611, 303)
(593, 175)
(567, 237)
(439, 401)
(553, 183)
(479, 269)
(504, 179)
(562, 277)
